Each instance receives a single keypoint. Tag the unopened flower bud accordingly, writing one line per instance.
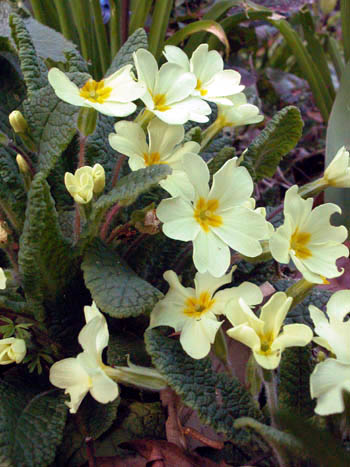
(12, 350)
(80, 185)
(99, 176)
(87, 119)
(327, 6)
(22, 164)
(145, 220)
(18, 122)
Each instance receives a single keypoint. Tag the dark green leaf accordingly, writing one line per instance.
(294, 384)
(136, 41)
(279, 137)
(124, 344)
(31, 425)
(45, 255)
(114, 286)
(33, 68)
(218, 398)
(219, 160)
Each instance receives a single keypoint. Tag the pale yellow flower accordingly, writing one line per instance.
(338, 172)
(112, 96)
(308, 238)
(263, 335)
(239, 112)
(12, 350)
(85, 182)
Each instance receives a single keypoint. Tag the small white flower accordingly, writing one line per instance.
(215, 219)
(12, 350)
(169, 91)
(214, 83)
(239, 112)
(334, 331)
(263, 334)
(164, 147)
(308, 238)
(338, 172)
(193, 311)
(87, 372)
(112, 96)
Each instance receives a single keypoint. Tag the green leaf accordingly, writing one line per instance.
(338, 135)
(136, 41)
(279, 137)
(33, 69)
(126, 191)
(76, 63)
(294, 383)
(45, 255)
(114, 286)
(31, 425)
(225, 154)
(123, 344)
(52, 123)
(96, 417)
(218, 398)
(141, 420)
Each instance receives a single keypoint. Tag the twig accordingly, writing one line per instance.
(203, 439)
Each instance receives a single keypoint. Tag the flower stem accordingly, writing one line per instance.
(313, 188)
(117, 168)
(82, 144)
(299, 290)
(109, 218)
(210, 133)
(144, 117)
(269, 379)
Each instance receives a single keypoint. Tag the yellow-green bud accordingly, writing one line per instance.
(4, 139)
(327, 6)
(18, 122)
(87, 119)
(22, 164)
(99, 176)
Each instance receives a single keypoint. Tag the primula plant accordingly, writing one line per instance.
(135, 266)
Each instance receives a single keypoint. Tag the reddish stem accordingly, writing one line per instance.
(118, 166)
(275, 212)
(82, 144)
(77, 223)
(109, 218)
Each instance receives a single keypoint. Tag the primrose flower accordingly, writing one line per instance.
(215, 219)
(87, 372)
(85, 182)
(192, 311)
(214, 83)
(338, 172)
(163, 148)
(169, 91)
(111, 96)
(263, 334)
(334, 331)
(239, 112)
(12, 350)
(308, 238)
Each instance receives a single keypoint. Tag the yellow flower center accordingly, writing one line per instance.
(159, 102)
(199, 88)
(151, 159)
(196, 307)
(95, 91)
(266, 341)
(299, 242)
(204, 213)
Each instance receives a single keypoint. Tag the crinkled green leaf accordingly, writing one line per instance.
(124, 344)
(127, 190)
(33, 69)
(52, 123)
(45, 256)
(294, 383)
(142, 420)
(76, 63)
(219, 160)
(279, 137)
(300, 313)
(114, 286)
(31, 425)
(48, 43)
(136, 41)
(218, 398)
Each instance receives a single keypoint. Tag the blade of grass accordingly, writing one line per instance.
(215, 13)
(315, 49)
(320, 92)
(114, 28)
(100, 34)
(138, 14)
(334, 53)
(39, 11)
(160, 21)
(345, 15)
(64, 18)
(203, 25)
(79, 16)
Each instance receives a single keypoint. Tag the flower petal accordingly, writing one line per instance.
(338, 305)
(293, 335)
(163, 138)
(198, 335)
(64, 88)
(198, 173)
(103, 388)
(178, 218)
(206, 64)
(191, 108)
(176, 55)
(274, 312)
(175, 83)
(129, 139)
(210, 254)
(246, 335)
